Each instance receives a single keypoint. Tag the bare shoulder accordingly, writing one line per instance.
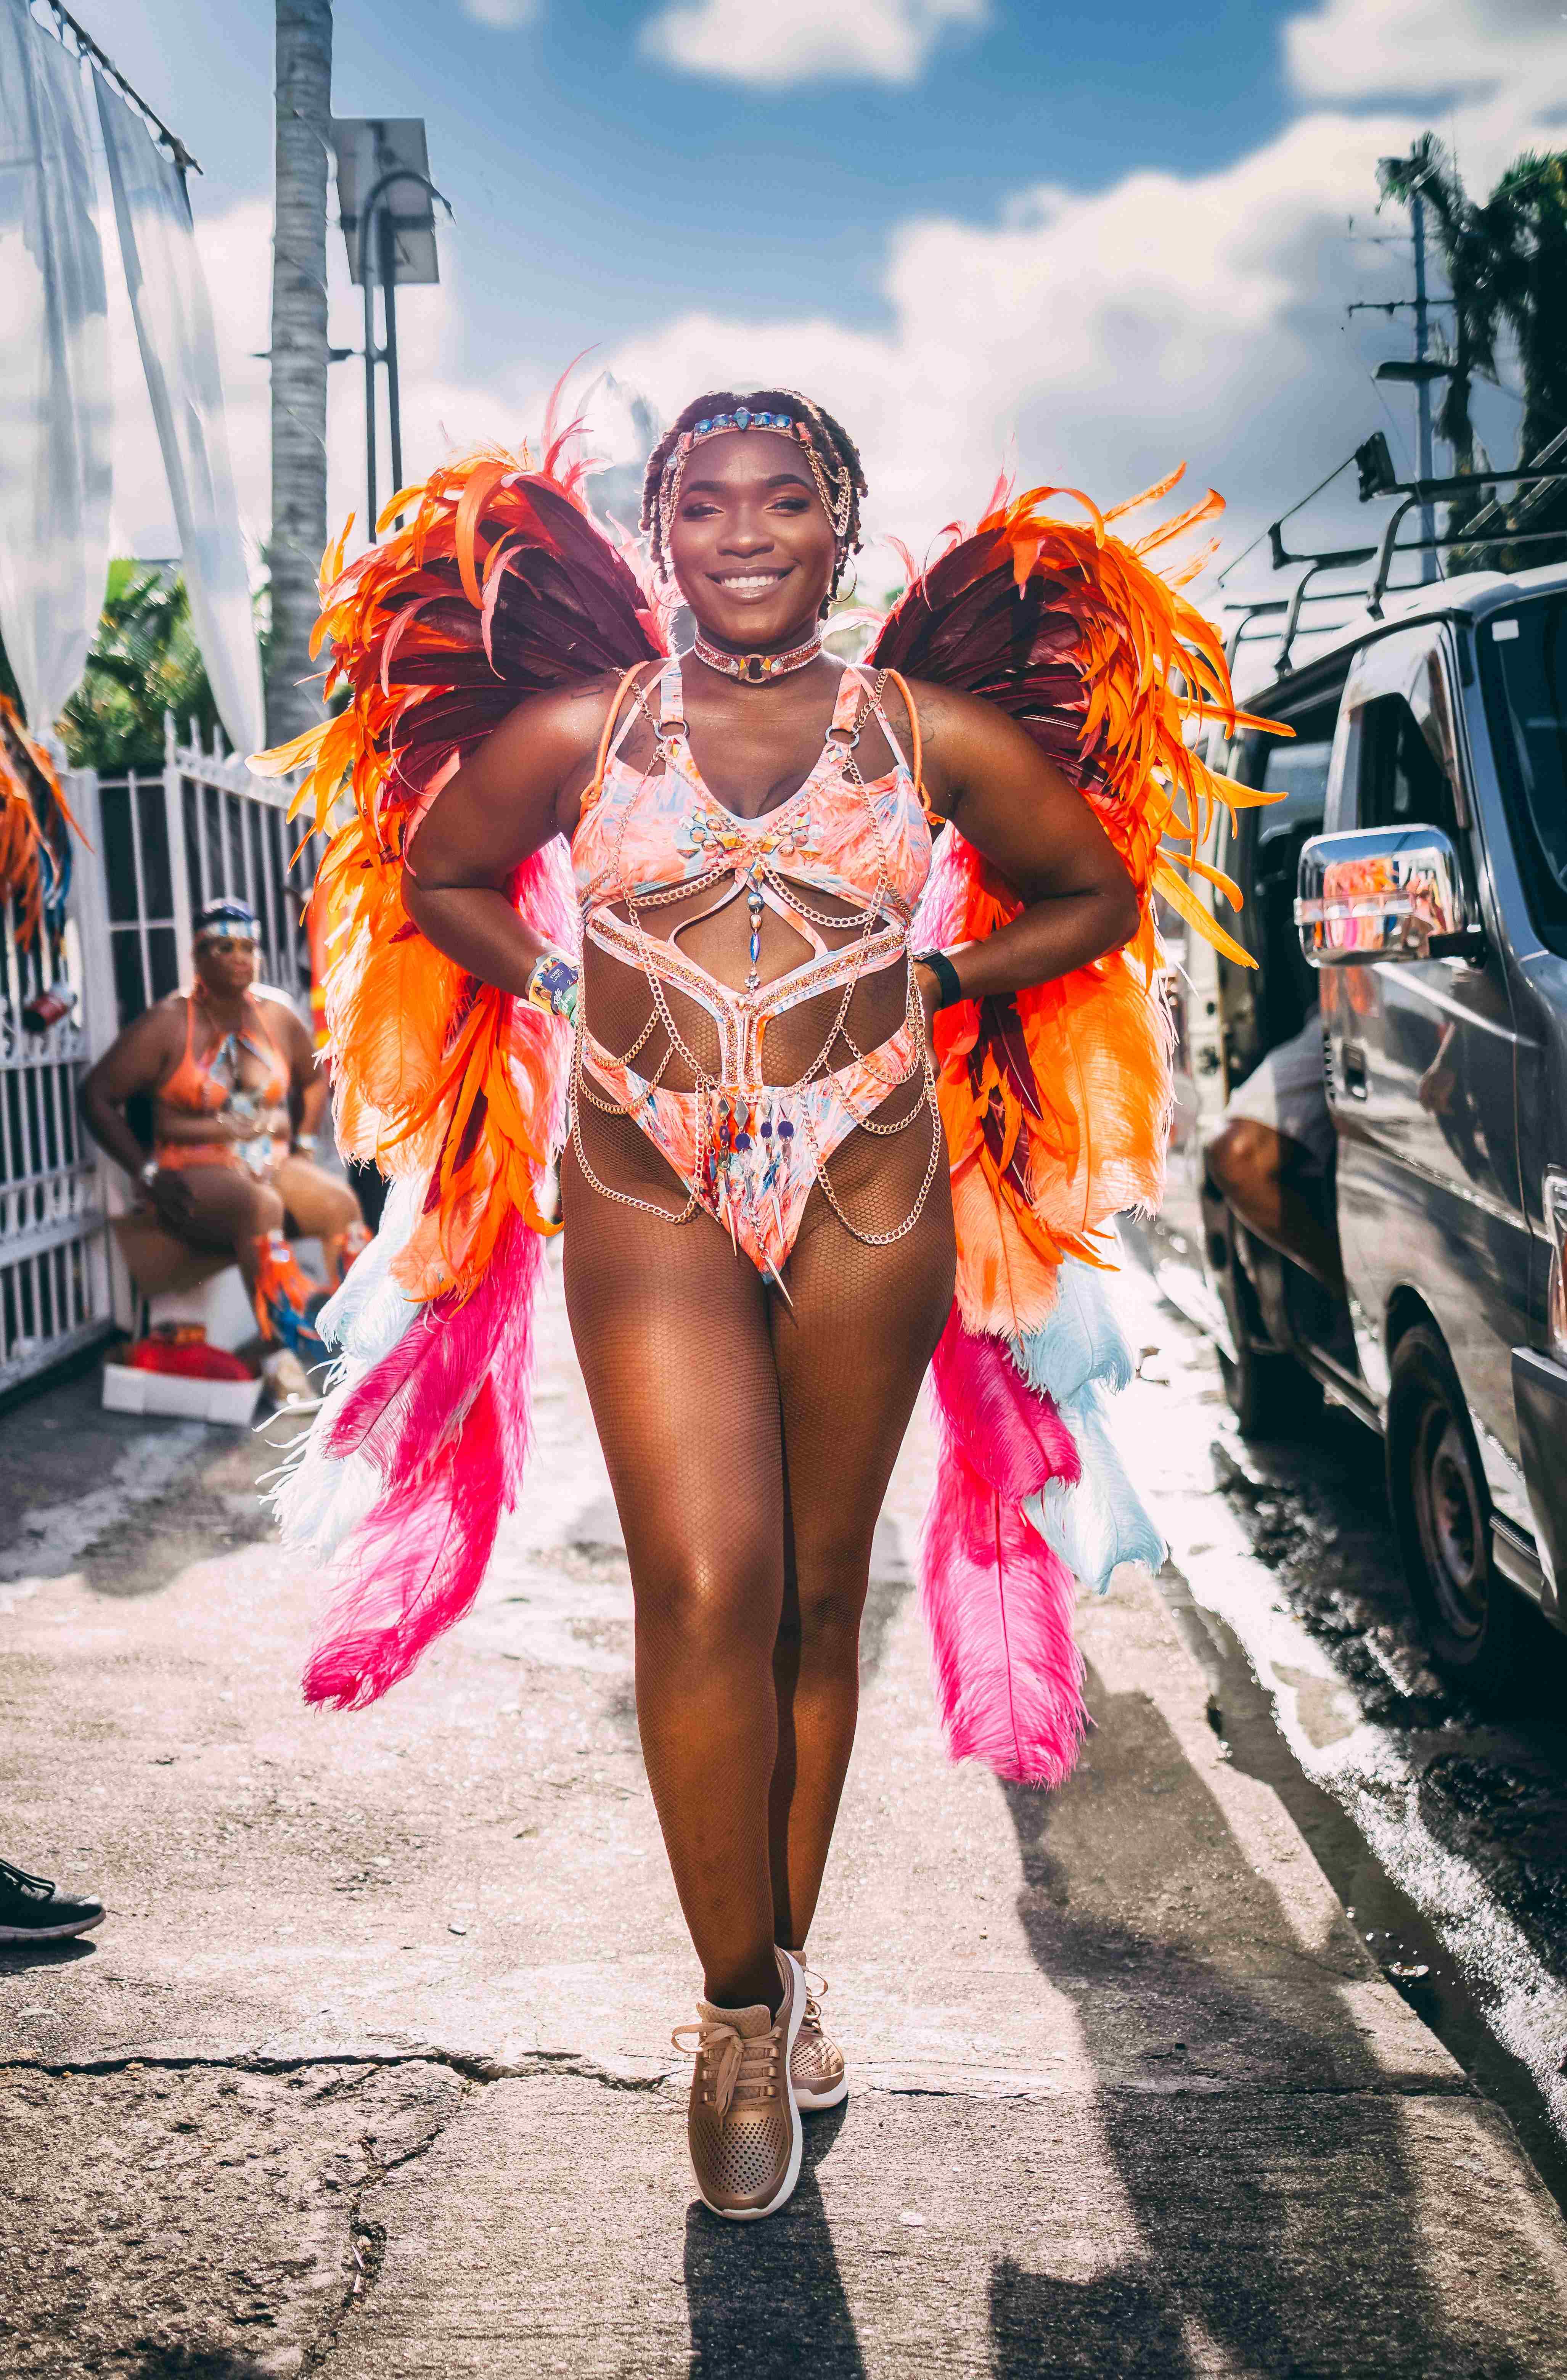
(946, 709)
(959, 732)
(279, 1012)
(150, 1047)
(163, 1025)
(571, 719)
(543, 753)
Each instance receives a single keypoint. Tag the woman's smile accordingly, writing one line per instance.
(751, 585)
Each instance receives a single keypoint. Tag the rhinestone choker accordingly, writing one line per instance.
(755, 669)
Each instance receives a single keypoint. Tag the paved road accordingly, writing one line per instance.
(1444, 1826)
(367, 2071)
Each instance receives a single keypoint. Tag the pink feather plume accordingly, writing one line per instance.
(412, 1568)
(404, 1411)
(1011, 1434)
(998, 1602)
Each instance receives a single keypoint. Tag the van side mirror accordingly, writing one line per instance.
(1384, 893)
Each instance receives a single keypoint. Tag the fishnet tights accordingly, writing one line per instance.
(749, 1447)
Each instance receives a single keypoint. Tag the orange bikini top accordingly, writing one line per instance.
(194, 1087)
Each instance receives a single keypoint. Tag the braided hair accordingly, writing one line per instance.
(833, 445)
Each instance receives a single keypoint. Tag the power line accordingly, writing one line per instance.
(1263, 535)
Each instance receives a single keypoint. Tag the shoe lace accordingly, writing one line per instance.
(737, 2068)
(816, 1992)
(34, 1888)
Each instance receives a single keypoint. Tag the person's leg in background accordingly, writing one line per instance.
(322, 1205)
(1266, 1179)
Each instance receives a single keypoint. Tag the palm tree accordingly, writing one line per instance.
(1506, 261)
(144, 661)
(298, 359)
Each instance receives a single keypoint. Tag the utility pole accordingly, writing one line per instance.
(299, 358)
(1400, 177)
(1423, 386)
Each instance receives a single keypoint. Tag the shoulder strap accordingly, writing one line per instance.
(617, 706)
(915, 736)
(854, 699)
(671, 694)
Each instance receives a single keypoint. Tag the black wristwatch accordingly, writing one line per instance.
(945, 974)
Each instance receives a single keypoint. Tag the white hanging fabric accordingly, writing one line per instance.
(55, 407)
(179, 356)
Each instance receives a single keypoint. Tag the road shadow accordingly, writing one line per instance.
(1260, 2147)
(1039, 2325)
(16, 1958)
(766, 2300)
(198, 2363)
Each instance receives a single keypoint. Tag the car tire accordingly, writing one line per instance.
(1442, 1513)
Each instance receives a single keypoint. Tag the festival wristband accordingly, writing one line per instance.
(945, 974)
(552, 986)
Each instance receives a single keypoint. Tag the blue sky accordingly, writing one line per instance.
(1090, 241)
(574, 158)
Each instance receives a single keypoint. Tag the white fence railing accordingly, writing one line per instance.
(56, 1293)
(153, 848)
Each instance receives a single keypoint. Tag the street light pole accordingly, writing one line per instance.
(389, 307)
(378, 252)
(371, 507)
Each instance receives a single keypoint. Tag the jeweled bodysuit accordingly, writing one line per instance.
(750, 1151)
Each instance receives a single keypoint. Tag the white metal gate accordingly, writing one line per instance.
(56, 1293)
(153, 848)
(203, 829)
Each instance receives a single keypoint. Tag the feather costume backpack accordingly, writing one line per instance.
(1056, 1102)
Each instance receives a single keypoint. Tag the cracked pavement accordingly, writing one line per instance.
(367, 2070)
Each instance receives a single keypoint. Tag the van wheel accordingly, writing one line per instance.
(1443, 1517)
(1269, 1394)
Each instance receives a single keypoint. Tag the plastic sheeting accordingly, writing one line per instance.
(54, 395)
(174, 327)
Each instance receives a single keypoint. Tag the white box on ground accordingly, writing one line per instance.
(128, 1389)
(222, 1305)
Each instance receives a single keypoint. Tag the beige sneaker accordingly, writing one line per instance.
(817, 2072)
(287, 1382)
(743, 2125)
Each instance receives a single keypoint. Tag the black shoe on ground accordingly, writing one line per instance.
(33, 1910)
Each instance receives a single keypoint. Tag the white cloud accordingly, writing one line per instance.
(1374, 49)
(504, 16)
(807, 40)
(1093, 341)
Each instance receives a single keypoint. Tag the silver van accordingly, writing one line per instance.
(1410, 892)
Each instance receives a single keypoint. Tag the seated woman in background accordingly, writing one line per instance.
(238, 1101)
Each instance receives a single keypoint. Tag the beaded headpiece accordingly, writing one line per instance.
(834, 483)
(225, 920)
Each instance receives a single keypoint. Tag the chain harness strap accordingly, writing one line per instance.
(670, 734)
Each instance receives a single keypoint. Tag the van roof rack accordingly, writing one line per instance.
(1490, 525)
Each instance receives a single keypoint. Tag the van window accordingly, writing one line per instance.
(1401, 781)
(1524, 673)
(1268, 1004)
(1298, 772)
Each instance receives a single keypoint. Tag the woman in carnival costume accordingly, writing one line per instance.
(835, 985)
